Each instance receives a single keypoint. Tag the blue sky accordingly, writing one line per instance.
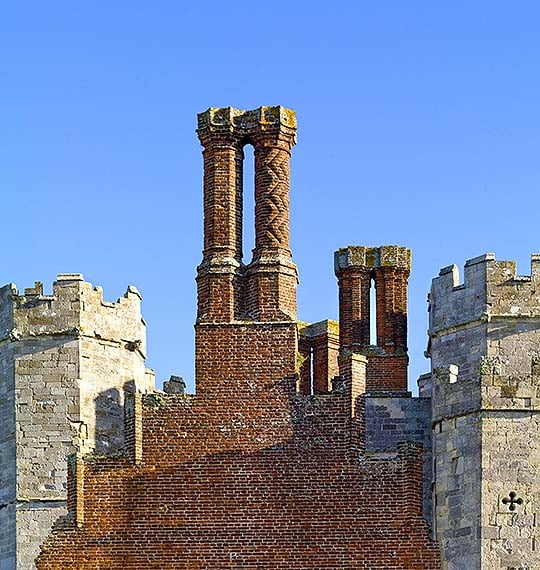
(419, 124)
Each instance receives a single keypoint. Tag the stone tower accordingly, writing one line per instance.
(66, 360)
(485, 355)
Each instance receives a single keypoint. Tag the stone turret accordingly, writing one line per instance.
(485, 355)
(66, 360)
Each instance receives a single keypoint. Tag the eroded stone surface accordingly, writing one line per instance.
(484, 344)
(66, 360)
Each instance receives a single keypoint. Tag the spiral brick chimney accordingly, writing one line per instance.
(237, 301)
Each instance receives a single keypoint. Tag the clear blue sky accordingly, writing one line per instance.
(419, 124)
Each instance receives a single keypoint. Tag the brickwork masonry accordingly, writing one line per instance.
(241, 484)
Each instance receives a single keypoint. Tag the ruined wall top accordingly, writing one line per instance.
(490, 288)
(245, 124)
(373, 257)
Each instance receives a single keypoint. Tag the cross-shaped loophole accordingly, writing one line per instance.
(512, 501)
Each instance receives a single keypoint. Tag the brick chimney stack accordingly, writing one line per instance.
(265, 290)
(389, 268)
(246, 313)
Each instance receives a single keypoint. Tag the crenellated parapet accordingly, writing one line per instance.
(493, 311)
(489, 288)
(75, 308)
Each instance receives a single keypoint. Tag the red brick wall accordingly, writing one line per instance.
(239, 484)
(387, 373)
(243, 360)
(305, 364)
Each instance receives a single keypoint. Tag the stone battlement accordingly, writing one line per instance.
(490, 288)
(75, 308)
(66, 361)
